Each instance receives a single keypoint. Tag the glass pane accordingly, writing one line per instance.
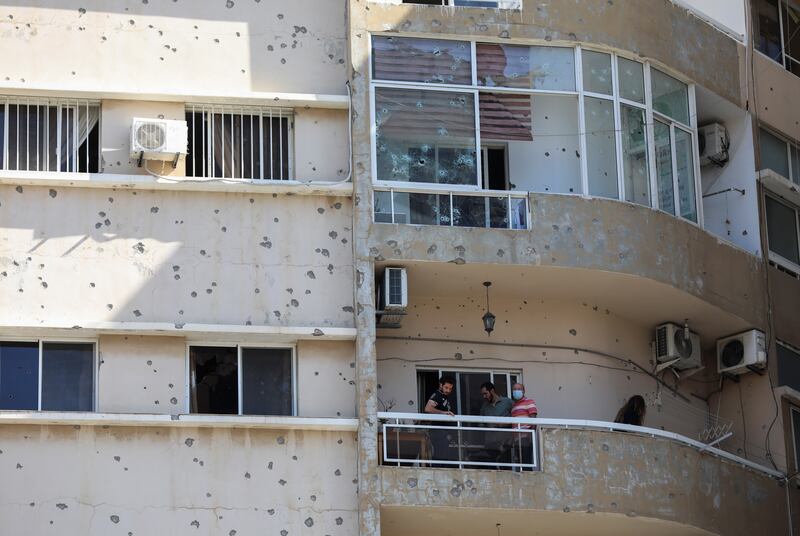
(782, 230)
(767, 28)
(670, 96)
(597, 72)
(383, 207)
(526, 67)
(601, 146)
(432, 61)
(425, 136)
(794, 154)
(19, 375)
(67, 377)
(634, 156)
(421, 209)
(500, 382)
(788, 367)
(519, 213)
(214, 380)
(470, 391)
(774, 155)
(684, 160)
(666, 187)
(478, 211)
(631, 80)
(267, 381)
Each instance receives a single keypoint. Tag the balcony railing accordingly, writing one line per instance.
(502, 4)
(491, 209)
(411, 439)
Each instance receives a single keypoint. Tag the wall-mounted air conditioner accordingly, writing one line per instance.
(674, 347)
(742, 352)
(392, 297)
(714, 143)
(158, 139)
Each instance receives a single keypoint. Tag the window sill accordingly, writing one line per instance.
(149, 182)
(780, 185)
(66, 418)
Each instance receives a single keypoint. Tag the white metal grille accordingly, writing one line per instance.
(41, 134)
(239, 142)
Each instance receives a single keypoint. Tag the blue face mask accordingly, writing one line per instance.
(517, 394)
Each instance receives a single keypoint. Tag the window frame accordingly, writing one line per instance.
(776, 257)
(41, 341)
(791, 59)
(72, 156)
(580, 94)
(793, 173)
(458, 370)
(262, 112)
(239, 392)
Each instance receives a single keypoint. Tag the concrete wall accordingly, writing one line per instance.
(728, 13)
(112, 480)
(650, 478)
(166, 47)
(74, 256)
(785, 291)
(565, 382)
(776, 91)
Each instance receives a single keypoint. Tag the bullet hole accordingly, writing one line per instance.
(277, 314)
(232, 533)
(139, 247)
(339, 520)
(61, 506)
(154, 210)
(347, 309)
(209, 291)
(309, 522)
(247, 475)
(337, 206)
(333, 235)
(203, 252)
(44, 284)
(193, 294)
(137, 312)
(189, 442)
(252, 200)
(109, 306)
(195, 524)
(229, 4)
(114, 519)
(98, 225)
(82, 10)
(283, 61)
(53, 193)
(18, 189)
(310, 274)
(282, 482)
(318, 333)
(224, 229)
(337, 472)
(257, 291)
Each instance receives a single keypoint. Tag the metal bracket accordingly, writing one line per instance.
(141, 159)
(175, 161)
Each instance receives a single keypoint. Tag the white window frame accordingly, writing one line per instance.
(793, 173)
(41, 341)
(458, 370)
(239, 347)
(475, 89)
(775, 257)
(43, 161)
(785, 58)
(262, 112)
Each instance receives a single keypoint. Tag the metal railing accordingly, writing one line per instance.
(500, 443)
(403, 450)
(491, 209)
(46, 134)
(502, 4)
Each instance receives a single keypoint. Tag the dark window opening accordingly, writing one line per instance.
(214, 380)
(19, 375)
(67, 377)
(267, 381)
(495, 168)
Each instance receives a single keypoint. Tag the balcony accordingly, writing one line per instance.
(635, 479)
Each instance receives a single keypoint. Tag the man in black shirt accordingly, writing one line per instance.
(439, 404)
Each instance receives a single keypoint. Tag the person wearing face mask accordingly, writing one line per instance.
(523, 407)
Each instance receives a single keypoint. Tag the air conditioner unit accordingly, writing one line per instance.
(392, 297)
(714, 143)
(740, 353)
(158, 139)
(673, 347)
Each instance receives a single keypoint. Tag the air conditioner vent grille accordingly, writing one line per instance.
(151, 136)
(732, 353)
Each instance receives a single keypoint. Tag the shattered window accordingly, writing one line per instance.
(525, 67)
(425, 136)
(432, 61)
(670, 97)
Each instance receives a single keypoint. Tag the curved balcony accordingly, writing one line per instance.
(634, 479)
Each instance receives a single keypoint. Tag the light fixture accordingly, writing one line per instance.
(488, 317)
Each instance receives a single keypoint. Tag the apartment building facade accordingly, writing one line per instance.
(237, 335)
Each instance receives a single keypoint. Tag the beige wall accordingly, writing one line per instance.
(166, 47)
(74, 256)
(776, 93)
(111, 480)
(321, 144)
(326, 379)
(569, 383)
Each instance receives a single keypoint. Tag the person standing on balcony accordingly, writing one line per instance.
(523, 407)
(495, 405)
(439, 404)
(632, 412)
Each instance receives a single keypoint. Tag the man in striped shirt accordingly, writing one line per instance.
(523, 407)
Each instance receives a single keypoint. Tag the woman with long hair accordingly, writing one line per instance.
(632, 412)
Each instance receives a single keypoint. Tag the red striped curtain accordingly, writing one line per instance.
(505, 117)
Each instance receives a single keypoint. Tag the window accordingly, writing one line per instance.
(782, 234)
(456, 116)
(239, 143)
(47, 376)
(241, 380)
(779, 155)
(794, 413)
(788, 366)
(509, 4)
(466, 398)
(777, 31)
(50, 135)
